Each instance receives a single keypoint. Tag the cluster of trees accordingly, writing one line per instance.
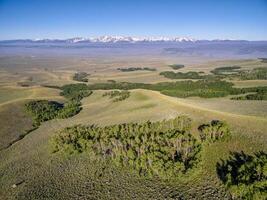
(225, 70)
(117, 95)
(164, 148)
(75, 92)
(130, 69)
(181, 75)
(176, 66)
(80, 76)
(245, 175)
(214, 131)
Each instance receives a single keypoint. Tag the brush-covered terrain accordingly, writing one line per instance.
(167, 128)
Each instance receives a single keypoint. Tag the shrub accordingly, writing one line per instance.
(245, 175)
(214, 131)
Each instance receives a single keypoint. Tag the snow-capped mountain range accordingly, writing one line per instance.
(121, 39)
(110, 39)
(115, 39)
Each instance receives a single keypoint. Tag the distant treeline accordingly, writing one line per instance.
(80, 76)
(182, 75)
(232, 72)
(264, 60)
(165, 148)
(236, 72)
(201, 88)
(255, 74)
(261, 94)
(130, 69)
(225, 70)
(176, 66)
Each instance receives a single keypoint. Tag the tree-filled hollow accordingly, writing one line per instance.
(44, 110)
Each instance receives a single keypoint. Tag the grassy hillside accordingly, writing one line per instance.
(40, 174)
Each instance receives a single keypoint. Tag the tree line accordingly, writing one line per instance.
(131, 69)
(176, 66)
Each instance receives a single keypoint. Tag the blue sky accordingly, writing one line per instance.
(199, 19)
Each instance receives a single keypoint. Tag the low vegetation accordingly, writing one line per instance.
(117, 95)
(80, 76)
(131, 69)
(176, 66)
(245, 175)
